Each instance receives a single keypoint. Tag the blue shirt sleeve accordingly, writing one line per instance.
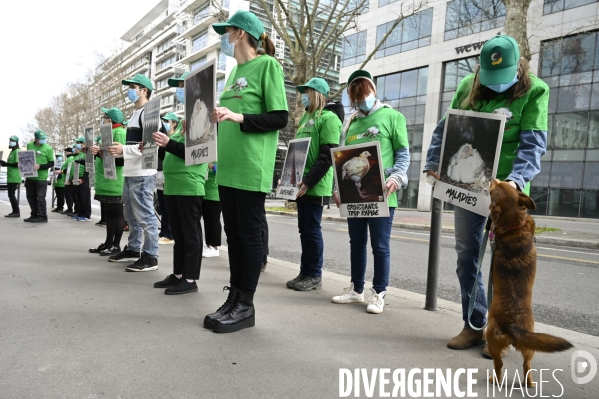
(533, 145)
(400, 166)
(433, 154)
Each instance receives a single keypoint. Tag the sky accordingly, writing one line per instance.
(47, 44)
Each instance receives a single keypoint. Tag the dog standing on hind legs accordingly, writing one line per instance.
(511, 321)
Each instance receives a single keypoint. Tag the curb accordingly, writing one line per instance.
(558, 242)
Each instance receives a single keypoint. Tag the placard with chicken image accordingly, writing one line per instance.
(200, 100)
(469, 158)
(151, 125)
(359, 180)
(293, 168)
(89, 142)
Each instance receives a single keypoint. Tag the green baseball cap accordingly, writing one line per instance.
(14, 138)
(139, 79)
(80, 139)
(40, 134)
(97, 139)
(499, 59)
(174, 82)
(245, 20)
(318, 84)
(170, 116)
(360, 74)
(114, 114)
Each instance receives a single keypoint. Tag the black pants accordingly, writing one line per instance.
(243, 212)
(165, 225)
(59, 197)
(12, 196)
(83, 201)
(185, 214)
(68, 197)
(36, 196)
(102, 213)
(212, 228)
(264, 228)
(115, 224)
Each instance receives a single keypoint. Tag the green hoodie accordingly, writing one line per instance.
(43, 155)
(108, 187)
(12, 172)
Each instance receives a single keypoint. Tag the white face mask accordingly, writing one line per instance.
(226, 47)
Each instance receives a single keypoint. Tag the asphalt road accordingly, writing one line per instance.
(565, 293)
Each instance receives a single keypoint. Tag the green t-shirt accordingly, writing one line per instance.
(180, 179)
(77, 157)
(59, 180)
(108, 187)
(389, 127)
(65, 166)
(528, 112)
(12, 172)
(323, 129)
(211, 187)
(43, 155)
(246, 160)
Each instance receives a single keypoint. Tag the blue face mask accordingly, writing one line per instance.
(305, 100)
(226, 47)
(78, 146)
(180, 93)
(167, 126)
(12, 144)
(503, 87)
(132, 94)
(367, 104)
(59, 159)
(42, 141)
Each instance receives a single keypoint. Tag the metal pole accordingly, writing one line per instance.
(434, 253)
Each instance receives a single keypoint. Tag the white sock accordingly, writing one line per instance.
(190, 281)
(178, 275)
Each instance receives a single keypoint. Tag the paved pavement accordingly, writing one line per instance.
(76, 326)
(579, 233)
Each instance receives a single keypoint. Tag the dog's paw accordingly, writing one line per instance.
(531, 384)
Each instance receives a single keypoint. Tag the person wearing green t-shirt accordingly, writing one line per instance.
(68, 187)
(183, 195)
(81, 191)
(322, 124)
(13, 176)
(501, 84)
(109, 192)
(374, 121)
(36, 187)
(171, 125)
(58, 183)
(253, 107)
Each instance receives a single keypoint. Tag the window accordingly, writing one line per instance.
(167, 100)
(164, 45)
(201, 14)
(220, 87)
(553, 6)
(163, 82)
(196, 64)
(466, 17)
(225, 4)
(453, 73)
(354, 49)
(165, 63)
(411, 33)
(221, 60)
(383, 3)
(200, 41)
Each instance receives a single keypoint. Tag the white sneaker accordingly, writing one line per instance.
(349, 296)
(165, 241)
(210, 252)
(376, 303)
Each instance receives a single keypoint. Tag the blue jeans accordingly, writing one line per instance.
(469, 228)
(380, 233)
(138, 198)
(309, 217)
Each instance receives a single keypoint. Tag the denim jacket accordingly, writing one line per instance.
(533, 145)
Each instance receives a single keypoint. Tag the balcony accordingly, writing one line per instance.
(211, 43)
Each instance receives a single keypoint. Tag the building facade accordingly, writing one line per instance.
(418, 67)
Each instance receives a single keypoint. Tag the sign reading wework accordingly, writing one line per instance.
(470, 47)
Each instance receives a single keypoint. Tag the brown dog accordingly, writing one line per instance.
(514, 268)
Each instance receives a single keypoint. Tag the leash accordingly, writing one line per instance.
(474, 294)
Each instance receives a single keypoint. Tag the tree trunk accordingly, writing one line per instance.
(516, 23)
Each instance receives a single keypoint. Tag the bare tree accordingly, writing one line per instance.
(516, 24)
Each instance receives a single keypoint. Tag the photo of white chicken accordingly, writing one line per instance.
(201, 125)
(355, 169)
(467, 166)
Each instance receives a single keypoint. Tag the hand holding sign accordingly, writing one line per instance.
(116, 149)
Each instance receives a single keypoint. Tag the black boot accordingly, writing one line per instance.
(223, 310)
(241, 316)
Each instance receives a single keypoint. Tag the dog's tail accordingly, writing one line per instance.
(537, 342)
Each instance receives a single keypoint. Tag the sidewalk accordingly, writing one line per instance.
(74, 326)
(581, 233)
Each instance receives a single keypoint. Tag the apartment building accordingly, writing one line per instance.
(418, 67)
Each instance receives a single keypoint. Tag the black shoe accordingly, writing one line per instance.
(13, 215)
(125, 256)
(171, 279)
(223, 310)
(57, 210)
(263, 268)
(110, 251)
(243, 315)
(101, 223)
(39, 219)
(70, 214)
(98, 249)
(29, 219)
(66, 212)
(181, 287)
(292, 283)
(144, 264)
(309, 284)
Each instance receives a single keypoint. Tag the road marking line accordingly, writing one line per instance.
(565, 258)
